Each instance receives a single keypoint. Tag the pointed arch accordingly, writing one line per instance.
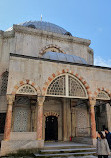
(51, 47)
(51, 113)
(102, 95)
(66, 80)
(26, 87)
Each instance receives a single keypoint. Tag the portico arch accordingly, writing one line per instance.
(67, 85)
(25, 104)
(73, 76)
(74, 92)
(26, 84)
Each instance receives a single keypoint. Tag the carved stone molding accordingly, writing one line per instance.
(40, 100)
(10, 99)
(92, 102)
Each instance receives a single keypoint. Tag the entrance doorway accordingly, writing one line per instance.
(51, 128)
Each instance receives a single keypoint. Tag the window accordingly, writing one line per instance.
(4, 81)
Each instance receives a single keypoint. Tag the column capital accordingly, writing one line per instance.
(40, 100)
(10, 99)
(92, 102)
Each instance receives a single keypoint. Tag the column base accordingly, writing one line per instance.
(94, 140)
(14, 146)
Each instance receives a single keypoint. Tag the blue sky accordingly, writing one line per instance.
(90, 19)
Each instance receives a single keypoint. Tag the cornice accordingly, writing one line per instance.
(7, 34)
(71, 39)
(90, 50)
(13, 56)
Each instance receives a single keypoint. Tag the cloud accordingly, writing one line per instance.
(102, 62)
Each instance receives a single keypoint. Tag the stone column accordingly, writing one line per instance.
(10, 100)
(40, 101)
(92, 103)
(65, 119)
(108, 115)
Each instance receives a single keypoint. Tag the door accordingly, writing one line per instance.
(51, 128)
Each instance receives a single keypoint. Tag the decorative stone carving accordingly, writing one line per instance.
(51, 113)
(40, 100)
(67, 85)
(21, 119)
(75, 88)
(82, 125)
(10, 99)
(26, 89)
(103, 95)
(57, 87)
(22, 100)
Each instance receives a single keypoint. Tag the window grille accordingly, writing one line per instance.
(67, 86)
(21, 119)
(57, 87)
(21, 114)
(2, 122)
(103, 95)
(4, 81)
(75, 88)
(22, 100)
(26, 89)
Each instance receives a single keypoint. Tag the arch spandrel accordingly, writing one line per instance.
(27, 90)
(67, 86)
(102, 95)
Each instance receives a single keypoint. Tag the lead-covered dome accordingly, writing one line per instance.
(64, 57)
(46, 26)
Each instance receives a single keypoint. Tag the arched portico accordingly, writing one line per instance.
(74, 93)
(22, 113)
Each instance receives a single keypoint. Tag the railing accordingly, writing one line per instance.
(82, 132)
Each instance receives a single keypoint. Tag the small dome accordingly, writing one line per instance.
(46, 26)
(64, 57)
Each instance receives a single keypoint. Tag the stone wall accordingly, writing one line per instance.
(31, 42)
(44, 72)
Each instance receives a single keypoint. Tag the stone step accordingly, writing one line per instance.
(66, 145)
(65, 154)
(74, 150)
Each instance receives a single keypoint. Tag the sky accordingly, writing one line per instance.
(89, 19)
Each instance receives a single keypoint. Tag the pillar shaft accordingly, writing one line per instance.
(10, 100)
(65, 119)
(40, 100)
(93, 123)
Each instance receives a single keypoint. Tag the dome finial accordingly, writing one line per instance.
(41, 17)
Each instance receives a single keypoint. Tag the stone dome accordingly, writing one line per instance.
(46, 26)
(64, 57)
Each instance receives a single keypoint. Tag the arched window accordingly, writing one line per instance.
(102, 95)
(67, 86)
(4, 81)
(26, 89)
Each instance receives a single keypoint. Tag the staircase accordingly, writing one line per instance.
(65, 149)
